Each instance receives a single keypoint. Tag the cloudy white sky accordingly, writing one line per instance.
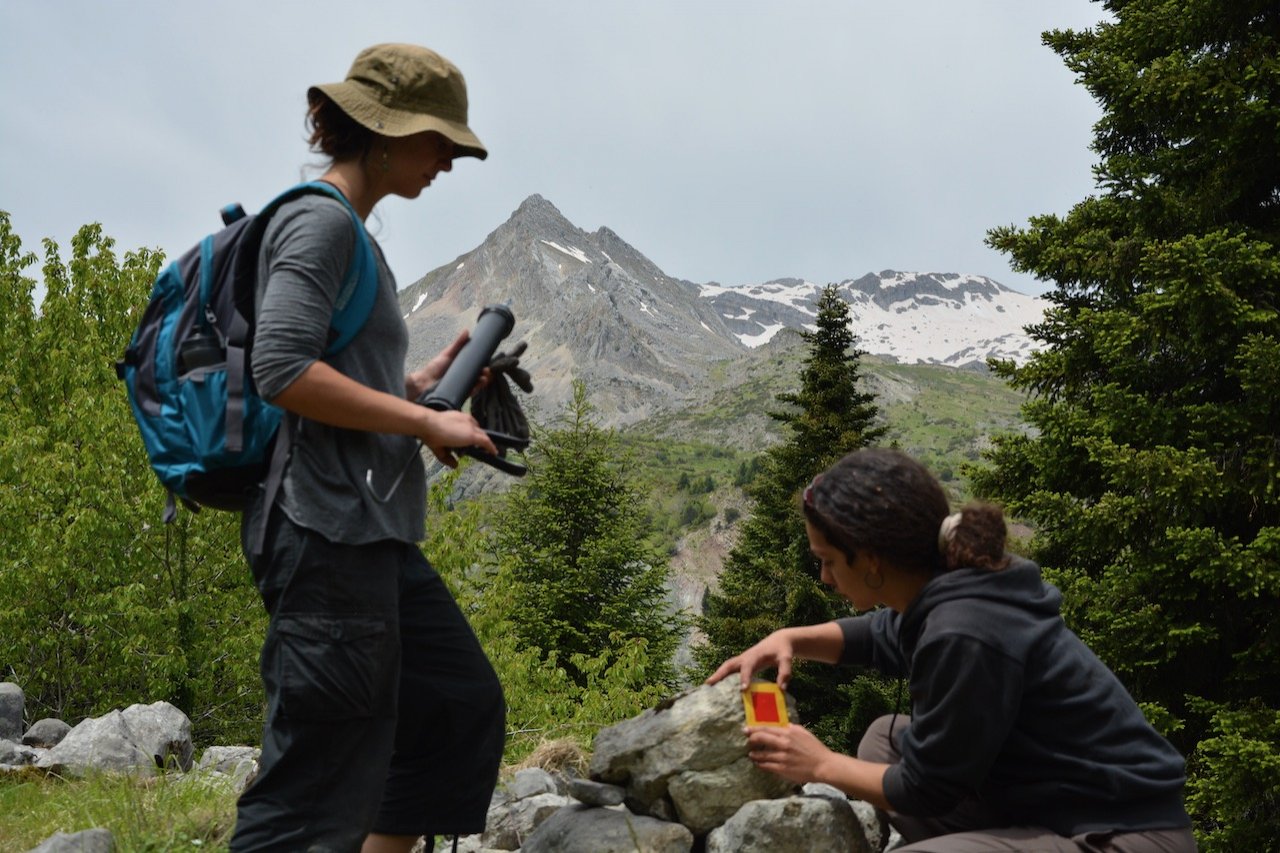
(734, 142)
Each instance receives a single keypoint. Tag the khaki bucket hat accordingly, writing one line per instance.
(402, 89)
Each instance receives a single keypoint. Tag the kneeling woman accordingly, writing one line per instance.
(1019, 737)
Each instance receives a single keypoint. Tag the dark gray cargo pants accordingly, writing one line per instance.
(383, 713)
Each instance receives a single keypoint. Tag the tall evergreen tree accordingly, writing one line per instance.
(1153, 474)
(573, 554)
(769, 580)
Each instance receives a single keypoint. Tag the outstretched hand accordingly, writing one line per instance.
(774, 650)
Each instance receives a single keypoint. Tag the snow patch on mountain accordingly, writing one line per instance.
(935, 318)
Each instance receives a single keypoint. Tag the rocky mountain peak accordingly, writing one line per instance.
(590, 305)
(593, 307)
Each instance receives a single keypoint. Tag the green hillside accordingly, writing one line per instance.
(697, 458)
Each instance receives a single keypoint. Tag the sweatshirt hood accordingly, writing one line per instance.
(1016, 595)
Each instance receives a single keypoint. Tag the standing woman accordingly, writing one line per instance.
(1019, 737)
(385, 721)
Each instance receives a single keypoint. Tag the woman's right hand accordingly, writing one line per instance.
(775, 650)
(444, 431)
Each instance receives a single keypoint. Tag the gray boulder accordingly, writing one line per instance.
(46, 733)
(13, 705)
(531, 781)
(88, 841)
(704, 799)
(509, 824)
(163, 732)
(99, 743)
(696, 736)
(596, 793)
(237, 763)
(16, 754)
(875, 823)
(584, 829)
(791, 825)
(138, 740)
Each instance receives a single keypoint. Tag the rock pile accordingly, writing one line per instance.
(673, 779)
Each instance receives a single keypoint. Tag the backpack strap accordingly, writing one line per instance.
(237, 360)
(359, 288)
(351, 309)
(271, 486)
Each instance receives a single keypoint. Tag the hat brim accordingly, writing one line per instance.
(383, 120)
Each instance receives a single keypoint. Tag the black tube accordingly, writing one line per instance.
(453, 389)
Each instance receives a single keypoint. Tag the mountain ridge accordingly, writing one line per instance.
(594, 308)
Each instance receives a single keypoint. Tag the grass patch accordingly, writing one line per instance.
(145, 815)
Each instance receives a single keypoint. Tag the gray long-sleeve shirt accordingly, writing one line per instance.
(306, 250)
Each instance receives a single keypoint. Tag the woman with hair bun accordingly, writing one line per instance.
(1019, 738)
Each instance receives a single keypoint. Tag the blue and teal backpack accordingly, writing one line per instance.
(188, 370)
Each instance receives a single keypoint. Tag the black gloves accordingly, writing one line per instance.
(494, 407)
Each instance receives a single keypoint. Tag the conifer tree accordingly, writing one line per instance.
(1153, 474)
(769, 580)
(572, 545)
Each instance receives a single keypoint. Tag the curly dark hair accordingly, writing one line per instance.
(884, 502)
(334, 133)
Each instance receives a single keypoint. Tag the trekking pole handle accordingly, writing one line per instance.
(453, 389)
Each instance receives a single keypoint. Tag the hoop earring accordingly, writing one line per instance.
(386, 162)
(866, 579)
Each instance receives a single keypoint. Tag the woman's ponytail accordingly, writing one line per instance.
(974, 538)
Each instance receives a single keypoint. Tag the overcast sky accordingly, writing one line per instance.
(734, 142)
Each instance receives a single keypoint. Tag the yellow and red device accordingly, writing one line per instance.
(764, 704)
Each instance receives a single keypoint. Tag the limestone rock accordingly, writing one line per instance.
(704, 799)
(596, 793)
(46, 733)
(13, 705)
(509, 825)
(99, 743)
(531, 781)
(163, 732)
(239, 763)
(16, 754)
(697, 732)
(791, 825)
(138, 740)
(584, 829)
(88, 841)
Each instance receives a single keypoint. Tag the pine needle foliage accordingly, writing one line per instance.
(1152, 477)
(769, 580)
(572, 547)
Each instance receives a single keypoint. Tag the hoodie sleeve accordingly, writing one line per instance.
(872, 640)
(965, 697)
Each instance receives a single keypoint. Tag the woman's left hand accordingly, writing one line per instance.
(430, 373)
(790, 751)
